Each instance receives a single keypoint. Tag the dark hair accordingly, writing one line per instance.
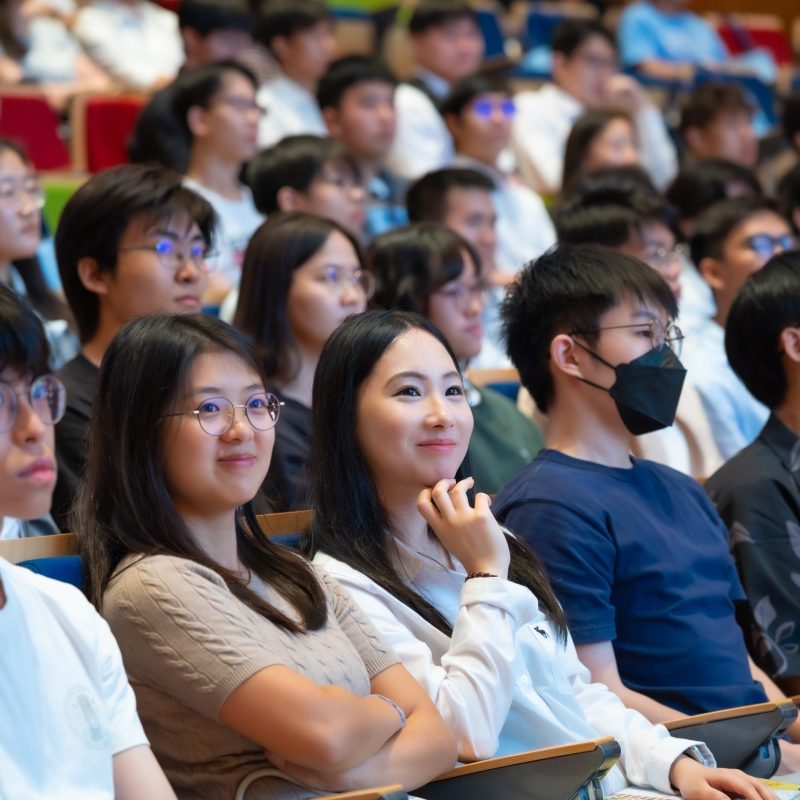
(350, 523)
(572, 33)
(10, 43)
(412, 262)
(288, 17)
(98, 214)
(426, 198)
(767, 303)
(584, 131)
(125, 507)
(23, 344)
(207, 16)
(466, 89)
(281, 245)
(789, 195)
(716, 223)
(705, 182)
(349, 71)
(568, 289)
(708, 101)
(198, 86)
(434, 13)
(791, 117)
(295, 161)
(608, 207)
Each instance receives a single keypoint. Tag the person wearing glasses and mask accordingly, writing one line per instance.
(131, 241)
(591, 332)
(302, 276)
(731, 240)
(70, 727)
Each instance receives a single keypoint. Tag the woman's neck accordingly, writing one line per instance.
(215, 535)
(214, 173)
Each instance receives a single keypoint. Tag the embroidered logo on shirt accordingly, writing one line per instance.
(541, 631)
(83, 715)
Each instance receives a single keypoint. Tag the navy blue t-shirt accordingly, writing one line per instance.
(639, 557)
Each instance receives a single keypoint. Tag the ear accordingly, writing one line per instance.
(712, 272)
(695, 140)
(196, 120)
(789, 343)
(93, 278)
(331, 117)
(566, 356)
(289, 199)
(280, 48)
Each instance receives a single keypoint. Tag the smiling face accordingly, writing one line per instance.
(211, 475)
(413, 422)
(20, 225)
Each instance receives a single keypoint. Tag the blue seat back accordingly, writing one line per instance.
(67, 569)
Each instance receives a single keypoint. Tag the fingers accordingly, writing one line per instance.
(483, 503)
(441, 496)
(458, 494)
(741, 785)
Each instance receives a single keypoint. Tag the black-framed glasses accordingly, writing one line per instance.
(216, 415)
(173, 254)
(462, 297)
(660, 335)
(765, 246)
(46, 396)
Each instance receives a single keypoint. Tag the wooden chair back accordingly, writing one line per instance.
(284, 523)
(382, 793)
(59, 544)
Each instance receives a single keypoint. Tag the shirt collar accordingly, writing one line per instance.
(410, 563)
(438, 86)
(784, 443)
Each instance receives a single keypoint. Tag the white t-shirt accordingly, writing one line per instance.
(291, 110)
(238, 222)
(65, 703)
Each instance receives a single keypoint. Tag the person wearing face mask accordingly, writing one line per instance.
(636, 552)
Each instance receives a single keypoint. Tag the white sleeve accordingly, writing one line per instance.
(473, 687)
(538, 146)
(658, 152)
(648, 750)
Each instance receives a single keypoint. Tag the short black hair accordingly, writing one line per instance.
(197, 87)
(715, 224)
(287, 17)
(426, 198)
(23, 344)
(608, 207)
(709, 100)
(98, 214)
(791, 117)
(703, 183)
(568, 289)
(767, 303)
(789, 195)
(294, 161)
(349, 71)
(207, 16)
(465, 90)
(433, 13)
(572, 33)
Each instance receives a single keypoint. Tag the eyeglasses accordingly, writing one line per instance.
(765, 246)
(661, 257)
(46, 396)
(216, 415)
(12, 190)
(658, 333)
(173, 255)
(337, 280)
(485, 108)
(242, 105)
(463, 297)
(341, 181)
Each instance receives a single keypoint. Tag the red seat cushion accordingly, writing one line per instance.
(109, 123)
(30, 120)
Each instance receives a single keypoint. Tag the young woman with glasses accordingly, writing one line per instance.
(251, 668)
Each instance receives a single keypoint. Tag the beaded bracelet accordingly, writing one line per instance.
(480, 575)
(401, 713)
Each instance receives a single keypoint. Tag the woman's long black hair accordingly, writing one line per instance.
(350, 523)
(125, 507)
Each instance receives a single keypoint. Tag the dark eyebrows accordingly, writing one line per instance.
(217, 392)
(418, 376)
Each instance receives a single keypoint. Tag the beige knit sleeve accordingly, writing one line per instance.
(375, 652)
(182, 631)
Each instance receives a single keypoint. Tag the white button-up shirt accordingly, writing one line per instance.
(291, 110)
(503, 681)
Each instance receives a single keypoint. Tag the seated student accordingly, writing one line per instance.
(302, 276)
(70, 728)
(211, 30)
(273, 683)
(151, 259)
(637, 554)
(299, 34)
(478, 112)
(731, 240)
(356, 96)
(611, 209)
(447, 45)
(135, 41)
(37, 47)
(216, 107)
(21, 203)
(756, 492)
(585, 76)
(717, 122)
(435, 574)
(429, 269)
(599, 139)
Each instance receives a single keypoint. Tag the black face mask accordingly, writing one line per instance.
(647, 389)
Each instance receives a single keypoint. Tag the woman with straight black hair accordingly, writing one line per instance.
(302, 276)
(227, 638)
(464, 603)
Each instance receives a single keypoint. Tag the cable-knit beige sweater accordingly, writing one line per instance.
(188, 643)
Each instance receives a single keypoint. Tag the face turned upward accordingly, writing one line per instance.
(413, 422)
(470, 213)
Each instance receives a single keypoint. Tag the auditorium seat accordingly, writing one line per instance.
(27, 117)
